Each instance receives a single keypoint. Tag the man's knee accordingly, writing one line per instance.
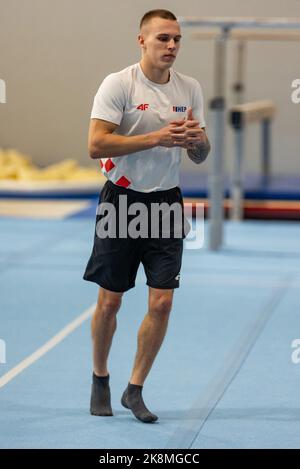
(108, 302)
(161, 305)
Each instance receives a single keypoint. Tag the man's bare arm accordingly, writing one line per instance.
(103, 143)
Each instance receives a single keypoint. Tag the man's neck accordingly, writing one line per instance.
(155, 74)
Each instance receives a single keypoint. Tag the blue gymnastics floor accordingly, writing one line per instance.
(224, 377)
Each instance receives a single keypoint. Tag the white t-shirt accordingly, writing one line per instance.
(139, 106)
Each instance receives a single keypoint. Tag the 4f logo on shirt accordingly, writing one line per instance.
(179, 108)
(143, 107)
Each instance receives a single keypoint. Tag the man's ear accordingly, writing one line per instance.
(141, 39)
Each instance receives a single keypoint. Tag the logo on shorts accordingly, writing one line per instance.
(177, 277)
(179, 108)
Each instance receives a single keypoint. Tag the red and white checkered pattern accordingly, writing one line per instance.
(107, 166)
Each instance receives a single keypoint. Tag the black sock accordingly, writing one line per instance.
(100, 397)
(132, 399)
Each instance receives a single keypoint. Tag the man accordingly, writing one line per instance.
(141, 119)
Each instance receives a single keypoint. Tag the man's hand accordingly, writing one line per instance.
(164, 136)
(184, 133)
(187, 133)
(191, 137)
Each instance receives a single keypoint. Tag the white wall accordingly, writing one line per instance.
(55, 53)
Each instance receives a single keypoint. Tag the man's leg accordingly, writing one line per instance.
(104, 323)
(151, 333)
(150, 337)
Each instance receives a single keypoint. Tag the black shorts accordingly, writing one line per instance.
(114, 261)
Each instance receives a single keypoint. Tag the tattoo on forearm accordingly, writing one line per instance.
(200, 153)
